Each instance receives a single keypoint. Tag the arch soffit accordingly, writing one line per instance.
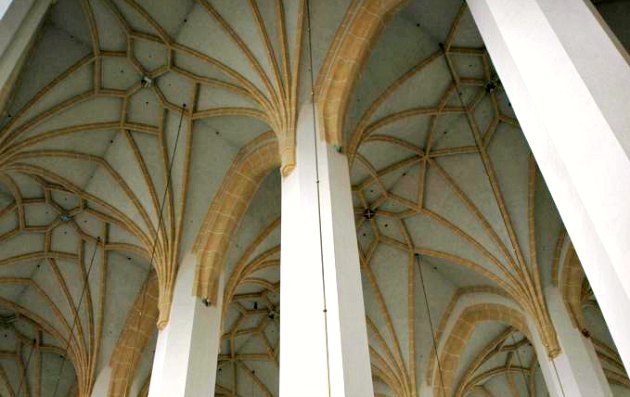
(467, 309)
(349, 51)
(250, 167)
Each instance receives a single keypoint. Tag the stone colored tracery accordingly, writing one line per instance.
(267, 90)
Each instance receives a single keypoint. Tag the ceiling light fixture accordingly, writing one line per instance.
(369, 213)
(146, 82)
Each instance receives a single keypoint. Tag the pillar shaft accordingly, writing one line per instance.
(576, 371)
(567, 80)
(185, 362)
(18, 30)
(322, 353)
(578, 367)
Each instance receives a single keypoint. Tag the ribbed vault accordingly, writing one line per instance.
(140, 131)
(115, 139)
(448, 199)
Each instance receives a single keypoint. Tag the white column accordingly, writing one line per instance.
(101, 385)
(576, 371)
(578, 366)
(185, 362)
(569, 84)
(321, 354)
(18, 29)
(425, 390)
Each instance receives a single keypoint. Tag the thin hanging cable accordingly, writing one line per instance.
(253, 382)
(472, 129)
(426, 304)
(144, 286)
(160, 225)
(28, 363)
(518, 356)
(28, 360)
(76, 316)
(319, 212)
(555, 370)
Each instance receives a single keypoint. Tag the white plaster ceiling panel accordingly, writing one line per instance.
(176, 88)
(434, 17)
(43, 65)
(230, 131)
(68, 15)
(402, 182)
(383, 279)
(388, 63)
(170, 17)
(75, 84)
(215, 97)
(453, 272)
(451, 130)
(132, 16)
(469, 66)
(199, 68)
(467, 174)
(467, 34)
(432, 83)
(484, 113)
(509, 151)
(214, 154)
(72, 121)
(150, 55)
(442, 201)
(220, 45)
(119, 74)
(380, 158)
(144, 108)
(111, 35)
(412, 129)
(326, 18)
(243, 21)
(359, 175)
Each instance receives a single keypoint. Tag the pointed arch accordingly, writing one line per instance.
(139, 327)
(250, 167)
(349, 51)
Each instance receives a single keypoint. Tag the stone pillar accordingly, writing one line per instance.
(185, 362)
(323, 336)
(567, 79)
(578, 366)
(18, 29)
(101, 385)
(576, 371)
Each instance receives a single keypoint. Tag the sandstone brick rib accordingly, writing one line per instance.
(460, 335)
(138, 330)
(354, 41)
(572, 281)
(251, 165)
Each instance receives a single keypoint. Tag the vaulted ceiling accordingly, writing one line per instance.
(129, 120)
